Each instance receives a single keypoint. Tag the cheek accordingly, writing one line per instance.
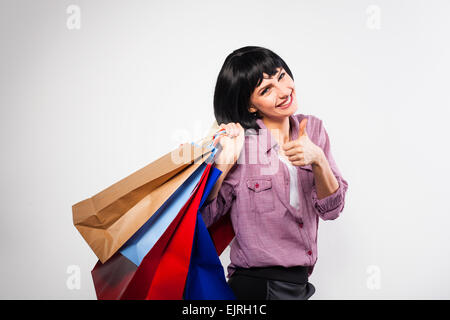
(290, 83)
(270, 101)
(266, 103)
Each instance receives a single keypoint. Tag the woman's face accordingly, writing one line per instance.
(275, 97)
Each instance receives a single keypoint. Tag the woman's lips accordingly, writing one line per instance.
(284, 106)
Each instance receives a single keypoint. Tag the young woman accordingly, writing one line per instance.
(278, 177)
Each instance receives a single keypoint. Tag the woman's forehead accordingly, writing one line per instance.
(266, 76)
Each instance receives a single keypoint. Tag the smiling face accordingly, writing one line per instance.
(275, 97)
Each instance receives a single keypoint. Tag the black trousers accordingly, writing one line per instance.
(272, 283)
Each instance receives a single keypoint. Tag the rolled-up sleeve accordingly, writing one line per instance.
(212, 210)
(330, 207)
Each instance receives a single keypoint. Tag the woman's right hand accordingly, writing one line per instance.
(232, 143)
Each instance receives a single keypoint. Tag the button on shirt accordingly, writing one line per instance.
(275, 225)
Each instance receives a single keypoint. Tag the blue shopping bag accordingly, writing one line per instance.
(206, 278)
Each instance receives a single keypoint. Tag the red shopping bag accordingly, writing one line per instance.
(112, 277)
(222, 233)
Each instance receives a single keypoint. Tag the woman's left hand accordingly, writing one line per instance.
(302, 151)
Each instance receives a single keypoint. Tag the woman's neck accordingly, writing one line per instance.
(279, 129)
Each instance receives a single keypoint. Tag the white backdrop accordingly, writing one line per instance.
(91, 91)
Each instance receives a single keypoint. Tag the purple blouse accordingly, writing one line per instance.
(256, 192)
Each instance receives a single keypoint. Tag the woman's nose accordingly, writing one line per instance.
(284, 92)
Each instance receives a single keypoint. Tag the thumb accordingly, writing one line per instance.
(302, 129)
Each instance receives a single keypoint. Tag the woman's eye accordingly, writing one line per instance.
(279, 78)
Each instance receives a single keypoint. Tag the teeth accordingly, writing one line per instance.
(287, 102)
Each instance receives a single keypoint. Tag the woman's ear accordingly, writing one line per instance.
(252, 109)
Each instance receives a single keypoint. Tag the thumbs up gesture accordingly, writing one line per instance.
(302, 151)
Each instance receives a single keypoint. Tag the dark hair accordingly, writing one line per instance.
(241, 73)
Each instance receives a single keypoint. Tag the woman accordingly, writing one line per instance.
(278, 177)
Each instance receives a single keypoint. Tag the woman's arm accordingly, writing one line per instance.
(329, 188)
(225, 168)
(326, 182)
(232, 143)
(222, 194)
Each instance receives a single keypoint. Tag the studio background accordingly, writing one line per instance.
(86, 102)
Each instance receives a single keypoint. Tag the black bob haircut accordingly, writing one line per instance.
(241, 73)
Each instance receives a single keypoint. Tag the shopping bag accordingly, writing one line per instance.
(112, 277)
(222, 233)
(145, 238)
(108, 219)
(206, 277)
(162, 273)
(206, 280)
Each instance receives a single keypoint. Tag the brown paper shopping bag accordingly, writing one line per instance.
(108, 219)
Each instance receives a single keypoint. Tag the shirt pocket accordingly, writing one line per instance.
(261, 194)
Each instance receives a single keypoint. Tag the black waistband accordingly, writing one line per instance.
(297, 274)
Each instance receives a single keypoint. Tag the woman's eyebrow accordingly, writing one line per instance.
(268, 85)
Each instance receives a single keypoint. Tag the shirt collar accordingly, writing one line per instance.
(271, 141)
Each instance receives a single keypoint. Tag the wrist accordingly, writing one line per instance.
(225, 160)
(320, 159)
